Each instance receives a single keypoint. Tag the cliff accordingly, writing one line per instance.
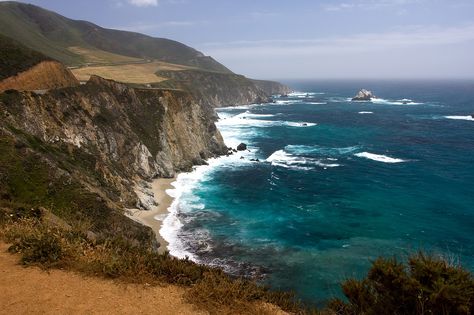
(82, 151)
(272, 87)
(214, 88)
(43, 76)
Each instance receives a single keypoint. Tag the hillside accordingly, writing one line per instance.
(16, 58)
(272, 87)
(214, 89)
(24, 69)
(129, 57)
(78, 42)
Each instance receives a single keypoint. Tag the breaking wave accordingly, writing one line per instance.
(379, 157)
(460, 117)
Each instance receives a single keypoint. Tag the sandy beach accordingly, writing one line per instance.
(154, 218)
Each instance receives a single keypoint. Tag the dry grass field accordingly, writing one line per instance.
(137, 73)
(96, 56)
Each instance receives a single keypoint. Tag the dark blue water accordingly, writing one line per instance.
(387, 178)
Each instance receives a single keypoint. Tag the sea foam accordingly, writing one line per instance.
(460, 117)
(284, 159)
(379, 157)
(382, 101)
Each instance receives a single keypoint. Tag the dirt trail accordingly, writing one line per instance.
(34, 291)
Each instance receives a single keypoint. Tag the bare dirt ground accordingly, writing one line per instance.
(34, 291)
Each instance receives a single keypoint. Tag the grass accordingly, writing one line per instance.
(134, 73)
(49, 246)
(97, 56)
(54, 35)
(16, 58)
(126, 73)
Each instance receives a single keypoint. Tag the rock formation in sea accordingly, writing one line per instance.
(364, 95)
(242, 147)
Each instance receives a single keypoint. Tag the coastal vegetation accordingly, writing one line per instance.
(425, 285)
(15, 58)
(73, 42)
(47, 241)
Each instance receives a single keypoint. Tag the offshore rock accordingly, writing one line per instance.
(242, 147)
(364, 95)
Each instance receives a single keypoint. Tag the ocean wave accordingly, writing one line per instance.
(231, 108)
(366, 113)
(382, 101)
(470, 118)
(379, 157)
(287, 160)
(305, 94)
(298, 124)
(319, 150)
(316, 103)
(287, 102)
(248, 119)
(250, 114)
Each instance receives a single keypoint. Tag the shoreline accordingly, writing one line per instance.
(154, 218)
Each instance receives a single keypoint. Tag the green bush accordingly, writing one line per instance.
(426, 285)
(43, 249)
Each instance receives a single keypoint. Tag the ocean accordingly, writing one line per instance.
(337, 184)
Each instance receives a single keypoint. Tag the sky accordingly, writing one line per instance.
(304, 39)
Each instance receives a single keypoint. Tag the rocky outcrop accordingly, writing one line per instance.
(272, 87)
(43, 76)
(122, 136)
(215, 89)
(242, 147)
(472, 115)
(364, 95)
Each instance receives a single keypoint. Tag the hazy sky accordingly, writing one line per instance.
(304, 38)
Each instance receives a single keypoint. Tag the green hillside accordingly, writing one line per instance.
(54, 35)
(15, 58)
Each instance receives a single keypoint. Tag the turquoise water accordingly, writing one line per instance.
(338, 184)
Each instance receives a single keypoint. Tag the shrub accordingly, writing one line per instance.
(38, 244)
(41, 244)
(426, 285)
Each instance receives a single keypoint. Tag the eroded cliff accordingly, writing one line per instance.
(272, 87)
(214, 88)
(87, 148)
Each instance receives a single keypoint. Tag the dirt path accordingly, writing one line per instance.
(34, 291)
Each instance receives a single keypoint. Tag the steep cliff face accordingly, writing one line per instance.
(215, 89)
(272, 87)
(43, 76)
(103, 138)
